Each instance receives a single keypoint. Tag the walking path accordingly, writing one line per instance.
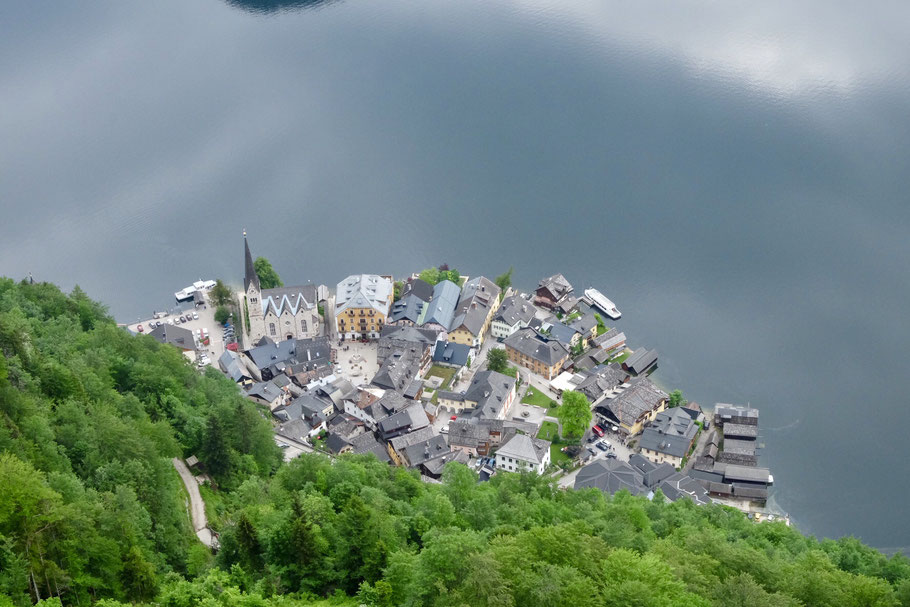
(197, 506)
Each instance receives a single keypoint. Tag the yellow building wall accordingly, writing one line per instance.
(352, 318)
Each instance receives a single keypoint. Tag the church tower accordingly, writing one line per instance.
(251, 285)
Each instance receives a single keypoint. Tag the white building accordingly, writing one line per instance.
(524, 454)
(513, 314)
(281, 313)
(362, 305)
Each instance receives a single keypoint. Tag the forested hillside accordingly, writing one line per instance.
(91, 510)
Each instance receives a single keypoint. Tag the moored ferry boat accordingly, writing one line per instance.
(605, 305)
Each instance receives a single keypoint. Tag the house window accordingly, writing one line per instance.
(303, 325)
(272, 328)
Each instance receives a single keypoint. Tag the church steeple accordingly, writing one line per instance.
(249, 269)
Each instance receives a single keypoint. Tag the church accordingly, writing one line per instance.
(282, 313)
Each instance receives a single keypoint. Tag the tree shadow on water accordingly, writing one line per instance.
(270, 7)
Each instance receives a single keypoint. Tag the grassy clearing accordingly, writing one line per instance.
(214, 505)
(548, 431)
(538, 399)
(625, 354)
(557, 457)
(446, 373)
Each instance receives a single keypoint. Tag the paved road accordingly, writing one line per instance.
(197, 506)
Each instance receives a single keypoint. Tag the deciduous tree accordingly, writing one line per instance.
(574, 414)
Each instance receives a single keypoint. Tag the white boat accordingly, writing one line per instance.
(605, 305)
(187, 293)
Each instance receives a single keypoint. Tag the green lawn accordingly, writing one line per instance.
(548, 431)
(557, 457)
(602, 330)
(446, 373)
(536, 398)
(619, 359)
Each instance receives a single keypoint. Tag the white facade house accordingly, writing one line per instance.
(363, 303)
(524, 454)
(513, 314)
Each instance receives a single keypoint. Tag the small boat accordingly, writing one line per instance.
(601, 302)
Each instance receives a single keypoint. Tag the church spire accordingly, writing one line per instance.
(249, 269)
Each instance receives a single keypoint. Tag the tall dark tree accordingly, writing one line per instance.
(268, 277)
(216, 453)
(248, 543)
(138, 576)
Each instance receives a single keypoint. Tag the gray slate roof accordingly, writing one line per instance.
(635, 400)
(232, 366)
(419, 288)
(249, 270)
(292, 299)
(611, 476)
(652, 439)
(364, 291)
(489, 389)
(537, 347)
(525, 448)
(515, 309)
(441, 308)
(556, 285)
(641, 360)
(409, 307)
(265, 390)
(398, 369)
(478, 296)
(451, 353)
(176, 336)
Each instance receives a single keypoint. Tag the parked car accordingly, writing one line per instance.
(183, 319)
(141, 328)
(453, 418)
(592, 438)
(602, 446)
(445, 429)
(195, 315)
(598, 431)
(157, 323)
(611, 455)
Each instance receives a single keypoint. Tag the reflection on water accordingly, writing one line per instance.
(267, 7)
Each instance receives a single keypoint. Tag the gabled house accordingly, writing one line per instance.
(180, 338)
(439, 313)
(552, 291)
(523, 453)
(405, 421)
(634, 406)
(451, 354)
(233, 366)
(489, 396)
(476, 307)
(401, 368)
(406, 311)
(541, 354)
(403, 337)
(669, 437)
(641, 361)
(611, 341)
(419, 288)
(396, 446)
(513, 314)
(362, 305)
(269, 394)
(360, 405)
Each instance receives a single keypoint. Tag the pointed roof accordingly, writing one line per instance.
(249, 270)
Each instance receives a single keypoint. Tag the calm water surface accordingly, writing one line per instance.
(734, 175)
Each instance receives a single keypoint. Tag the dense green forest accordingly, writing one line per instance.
(92, 511)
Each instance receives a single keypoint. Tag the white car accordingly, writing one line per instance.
(195, 315)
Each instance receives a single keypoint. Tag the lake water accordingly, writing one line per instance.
(734, 175)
